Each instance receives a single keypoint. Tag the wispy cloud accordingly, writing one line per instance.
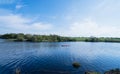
(19, 6)
(88, 27)
(18, 23)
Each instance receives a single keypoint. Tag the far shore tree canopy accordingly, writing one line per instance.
(54, 38)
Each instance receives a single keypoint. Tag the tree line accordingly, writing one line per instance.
(54, 38)
(35, 38)
(97, 39)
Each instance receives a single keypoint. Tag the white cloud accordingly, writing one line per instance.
(18, 23)
(40, 26)
(18, 6)
(89, 27)
(4, 11)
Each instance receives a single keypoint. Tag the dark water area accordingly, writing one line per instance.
(57, 57)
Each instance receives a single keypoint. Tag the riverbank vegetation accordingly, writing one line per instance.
(113, 71)
(35, 38)
(54, 38)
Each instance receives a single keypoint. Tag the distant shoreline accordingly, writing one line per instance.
(20, 37)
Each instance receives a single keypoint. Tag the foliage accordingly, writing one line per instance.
(95, 39)
(113, 71)
(55, 38)
(35, 38)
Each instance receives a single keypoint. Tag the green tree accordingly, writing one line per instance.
(20, 37)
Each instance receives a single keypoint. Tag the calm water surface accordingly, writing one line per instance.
(55, 58)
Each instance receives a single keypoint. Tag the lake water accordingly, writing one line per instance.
(57, 57)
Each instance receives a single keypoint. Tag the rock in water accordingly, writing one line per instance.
(76, 65)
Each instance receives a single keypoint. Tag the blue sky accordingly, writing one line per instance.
(98, 18)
